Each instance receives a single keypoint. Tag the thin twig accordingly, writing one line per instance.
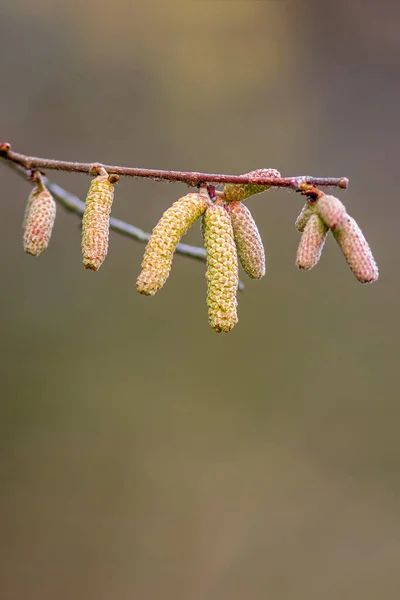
(192, 178)
(75, 205)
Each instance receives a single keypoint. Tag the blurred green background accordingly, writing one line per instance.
(143, 455)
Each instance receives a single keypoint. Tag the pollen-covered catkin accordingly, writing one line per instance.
(331, 210)
(160, 249)
(311, 242)
(39, 219)
(248, 241)
(222, 268)
(356, 250)
(96, 222)
(240, 191)
(308, 209)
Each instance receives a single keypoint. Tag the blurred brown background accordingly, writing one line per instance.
(142, 455)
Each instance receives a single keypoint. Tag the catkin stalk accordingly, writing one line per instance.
(174, 223)
(40, 214)
(248, 241)
(222, 268)
(96, 222)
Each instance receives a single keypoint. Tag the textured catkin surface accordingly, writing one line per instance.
(96, 222)
(308, 209)
(356, 251)
(222, 268)
(234, 192)
(248, 241)
(38, 222)
(311, 242)
(159, 252)
(331, 210)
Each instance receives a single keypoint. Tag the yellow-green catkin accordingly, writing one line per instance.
(222, 268)
(308, 209)
(174, 223)
(236, 192)
(96, 222)
(40, 214)
(356, 250)
(311, 242)
(248, 241)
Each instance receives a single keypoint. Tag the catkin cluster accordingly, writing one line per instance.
(324, 213)
(229, 233)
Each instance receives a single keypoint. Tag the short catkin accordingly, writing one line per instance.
(248, 241)
(331, 210)
(308, 209)
(235, 192)
(174, 223)
(222, 268)
(356, 250)
(311, 242)
(96, 222)
(40, 214)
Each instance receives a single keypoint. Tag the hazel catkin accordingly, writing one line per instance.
(248, 241)
(222, 268)
(40, 214)
(311, 242)
(308, 209)
(356, 250)
(174, 223)
(96, 222)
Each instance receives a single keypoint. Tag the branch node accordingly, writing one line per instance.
(97, 169)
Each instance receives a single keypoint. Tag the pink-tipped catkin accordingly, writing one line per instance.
(331, 210)
(356, 251)
(222, 268)
(248, 241)
(236, 192)
(96, 222)
(174, 223)
(311, 242)
(39, 219)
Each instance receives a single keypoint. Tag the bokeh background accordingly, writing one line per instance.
(143, 455)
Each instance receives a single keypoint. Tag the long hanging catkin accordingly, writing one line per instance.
(222, 268)
(96, 221)
(174, 223)
(248, 241)
(40, 214)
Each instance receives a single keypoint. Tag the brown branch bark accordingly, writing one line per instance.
(192, 178)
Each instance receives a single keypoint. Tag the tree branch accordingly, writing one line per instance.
(192, 178)
(75, 205)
